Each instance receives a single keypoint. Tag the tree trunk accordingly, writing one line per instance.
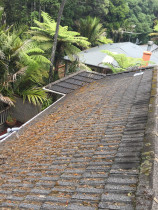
(31, 13)
(34, 5)
(44, 7)
(39, 10)
(51, 78)
(27, 12)
(66, 67)
(56, 74)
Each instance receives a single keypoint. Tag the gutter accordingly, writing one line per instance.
(52, 91)
(9, 131)
(147, 189)
(13, 131)
(155, 161)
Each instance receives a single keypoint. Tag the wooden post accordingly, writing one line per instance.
(66, 68)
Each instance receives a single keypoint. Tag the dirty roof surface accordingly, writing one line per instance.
(74, 81)
(85, 155)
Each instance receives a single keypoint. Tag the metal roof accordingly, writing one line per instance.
(95, 57)
(74, 81)
(145, 46)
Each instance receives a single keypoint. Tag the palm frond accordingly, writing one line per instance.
(35, 96)
(93, 30)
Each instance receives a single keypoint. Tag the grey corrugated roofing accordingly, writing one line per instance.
(145, 47)
(84, 152)
(74, 81)
(95, 57)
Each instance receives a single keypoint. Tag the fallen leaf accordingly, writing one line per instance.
(156, 200)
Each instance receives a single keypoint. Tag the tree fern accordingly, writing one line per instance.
(124, 62)
(46, 30)
(69, 42)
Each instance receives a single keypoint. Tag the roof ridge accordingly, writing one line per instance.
(132, 70)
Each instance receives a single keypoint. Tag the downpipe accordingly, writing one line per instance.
(9, 131)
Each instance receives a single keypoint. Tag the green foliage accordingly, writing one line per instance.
(75, 9)
(34, 95)
(112, 14)
(118, 16)
(22, 67)
(146, 166)
(76, 65)
(1, 12)
(43, 34)
(16, 11)
(68, 41)
(118, 11)
(142, 16)
(154, 4)
(155, 34)
(16, 54)
(93, 30)
(47, 102)
(123, 61)
(28, 84)
(10, 119)
(24, 11)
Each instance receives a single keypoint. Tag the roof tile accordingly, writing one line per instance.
(85, 148)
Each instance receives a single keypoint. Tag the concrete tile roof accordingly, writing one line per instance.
(74, 81)
(83, 152)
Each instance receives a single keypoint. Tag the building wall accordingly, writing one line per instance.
(24, 111)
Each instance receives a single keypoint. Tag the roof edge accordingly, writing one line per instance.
(71, 75)
(133, 70)
(33, 120)
(148, 171)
